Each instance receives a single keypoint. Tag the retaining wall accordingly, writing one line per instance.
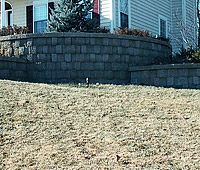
(72, 57)
(13, 68)
(175, 75)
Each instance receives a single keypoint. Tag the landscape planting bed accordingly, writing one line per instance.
(74, 127)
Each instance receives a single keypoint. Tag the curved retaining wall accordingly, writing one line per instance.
(175, 75)
(71, 57)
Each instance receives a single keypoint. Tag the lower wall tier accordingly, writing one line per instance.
(175, 75)
(13, 68)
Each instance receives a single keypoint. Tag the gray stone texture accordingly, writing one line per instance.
(68, 57)
(59, 49)
(54, 57)
(178, 76)
(71, 57)
(45, 49)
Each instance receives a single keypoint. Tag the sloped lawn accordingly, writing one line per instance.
(49, 127)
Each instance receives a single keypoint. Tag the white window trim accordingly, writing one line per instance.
(5, 16)
(112, 16)
(6, 22)
(36, 4)
(195, 30)
(184, 10)
(165, 19)
(184, 18)
(129, 13)
(119, 10)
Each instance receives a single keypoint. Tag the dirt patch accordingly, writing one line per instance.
(102, 127)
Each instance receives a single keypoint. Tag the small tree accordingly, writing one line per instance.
(70, 15)
(186, 39)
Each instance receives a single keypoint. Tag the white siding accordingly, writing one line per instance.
(177, 14)
(19, 10)
(145, 14)
(106, 13)
(187, 15)
(191, 21)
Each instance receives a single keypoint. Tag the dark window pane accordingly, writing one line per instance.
(29, 18)
(10, 18)
(124, 20)
(163, 28)
(40, 26)
(7, 6)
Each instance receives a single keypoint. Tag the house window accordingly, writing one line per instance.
(163, 27)
(124, 13)
(40, 18)
(124, 20)
(8, 15)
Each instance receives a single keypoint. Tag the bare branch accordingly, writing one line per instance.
(186, 30)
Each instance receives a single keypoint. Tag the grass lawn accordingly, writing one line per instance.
(49, 127)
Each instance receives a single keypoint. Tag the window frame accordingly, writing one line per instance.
(160, 17)
(37, 4)
(128, 13)
(121, 14)
(8, 13)
(38, 22)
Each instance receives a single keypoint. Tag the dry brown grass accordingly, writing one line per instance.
(69, 127)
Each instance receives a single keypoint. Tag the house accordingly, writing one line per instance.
(174, 19)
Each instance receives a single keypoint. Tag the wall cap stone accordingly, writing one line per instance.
(165, 67)
(83, 35)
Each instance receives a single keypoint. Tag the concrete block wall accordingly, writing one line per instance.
(175, 75)
(13, 68)
(72, 57)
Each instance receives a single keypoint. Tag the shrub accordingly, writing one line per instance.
(98, 30)
(137, 32)
(196, 56)
(92, 26)
(189, 55)
(132, 31)
(13, 30)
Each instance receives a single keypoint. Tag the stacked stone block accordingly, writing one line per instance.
(72, 57)
(13, 68)
(178, 76)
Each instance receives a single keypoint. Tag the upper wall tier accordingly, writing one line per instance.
(71, 57)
